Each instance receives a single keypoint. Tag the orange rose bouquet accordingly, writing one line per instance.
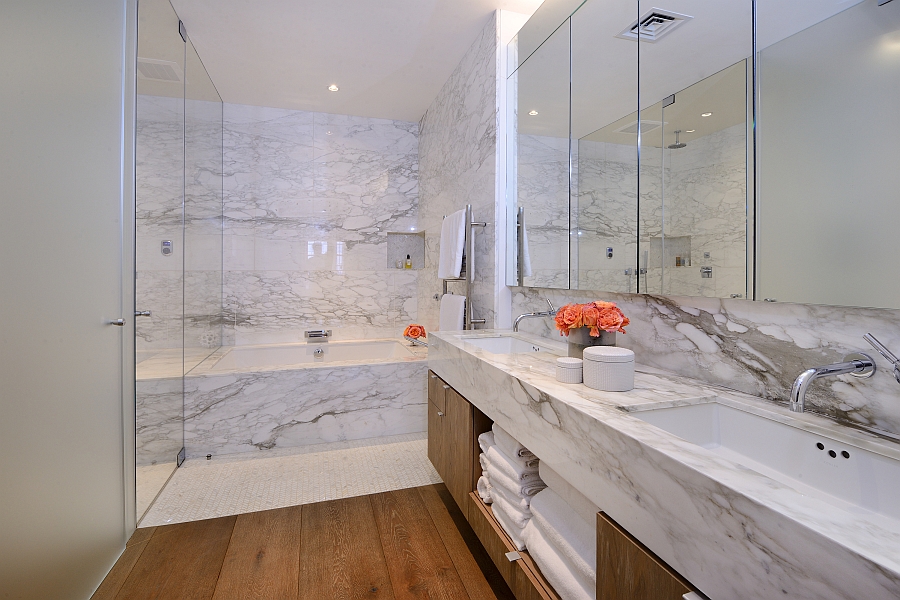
(594, 315)
(414, 331)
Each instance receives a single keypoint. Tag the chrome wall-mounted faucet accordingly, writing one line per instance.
(549, 313)
(882, 349)
(856, 364)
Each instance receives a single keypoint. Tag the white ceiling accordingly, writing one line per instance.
(390, 58)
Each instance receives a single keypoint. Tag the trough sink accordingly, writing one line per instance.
(846, 475)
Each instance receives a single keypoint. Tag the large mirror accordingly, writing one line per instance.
(671, 190)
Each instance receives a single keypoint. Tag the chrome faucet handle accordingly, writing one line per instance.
(883, 350)
(552, 309)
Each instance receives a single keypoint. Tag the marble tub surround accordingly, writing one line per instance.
(733, 532)
(753, 347)
(233, 411)
(309, 201)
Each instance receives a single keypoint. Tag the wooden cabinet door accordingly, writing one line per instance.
(459, 447)
(627, 570)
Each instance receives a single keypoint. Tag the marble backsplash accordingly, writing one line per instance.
(309, 201)
(753, 347)
(458, 166)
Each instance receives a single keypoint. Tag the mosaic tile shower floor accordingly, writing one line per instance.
(241, 483)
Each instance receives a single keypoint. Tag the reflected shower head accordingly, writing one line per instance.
(677, 143)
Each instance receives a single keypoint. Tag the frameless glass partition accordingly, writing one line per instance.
(178, 237)
(159, 249)
(829, 140)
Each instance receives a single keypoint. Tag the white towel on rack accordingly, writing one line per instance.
(526, 254)
(452, 245)
(453, 313)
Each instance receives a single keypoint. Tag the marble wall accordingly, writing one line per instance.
(458, 165)
(309, 201)
(753, 347)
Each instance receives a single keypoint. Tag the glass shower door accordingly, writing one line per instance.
(159, 249)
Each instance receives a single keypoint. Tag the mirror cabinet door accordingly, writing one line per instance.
(828, 148)
(539, 93)
(694, 148)
(604, 146)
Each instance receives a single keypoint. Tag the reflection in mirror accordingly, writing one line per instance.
(604, 200)
(693, 190)
(539, 91)
(828, 148)
(693, 217)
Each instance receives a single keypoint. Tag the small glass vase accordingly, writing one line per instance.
(580, 338)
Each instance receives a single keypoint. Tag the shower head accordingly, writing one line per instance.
(677, 143)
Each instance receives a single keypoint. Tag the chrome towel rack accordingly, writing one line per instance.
(468, 274)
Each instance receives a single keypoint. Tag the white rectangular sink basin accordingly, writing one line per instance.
(813, 464)
(502, 344)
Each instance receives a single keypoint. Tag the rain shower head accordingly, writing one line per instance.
(678, 143)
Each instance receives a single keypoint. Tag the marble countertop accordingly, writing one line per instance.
(732, 531)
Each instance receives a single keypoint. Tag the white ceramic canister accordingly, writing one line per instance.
(609, 368)
(569, 370)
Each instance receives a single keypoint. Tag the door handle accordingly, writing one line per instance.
(118, 322)
(446, 387)
(440, 414)
(142, 313)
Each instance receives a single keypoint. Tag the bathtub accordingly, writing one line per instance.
(251, 398)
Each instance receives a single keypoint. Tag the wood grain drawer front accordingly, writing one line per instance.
(626, 570)
(459, 418)
(437, 390)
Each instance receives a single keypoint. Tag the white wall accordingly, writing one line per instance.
(64, 162)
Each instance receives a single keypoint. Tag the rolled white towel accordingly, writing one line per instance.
(515, 533)
(519, 488)
(514, 469)
(574, 538)
(485, 490)
(486, 440)
(517, 516)
(586, 509)
(556, 569)
(518, 501)
(509, 445)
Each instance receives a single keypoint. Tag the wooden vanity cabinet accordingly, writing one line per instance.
(627, 570)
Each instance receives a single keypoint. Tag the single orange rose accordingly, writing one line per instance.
(572, 316)
(414, 331)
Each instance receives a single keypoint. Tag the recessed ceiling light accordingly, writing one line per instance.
(328, 133)
(706, 115)
(690, 131)
(533, 113)
(333, 88)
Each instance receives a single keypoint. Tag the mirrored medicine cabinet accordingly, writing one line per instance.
(741, 149)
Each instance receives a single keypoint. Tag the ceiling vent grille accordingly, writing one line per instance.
(646, 127)
(654, 26)
(159, 70)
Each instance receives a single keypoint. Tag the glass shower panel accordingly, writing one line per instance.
(540, 90)
(693, 209)
(202, 213)
(159, 248)
(604, 133)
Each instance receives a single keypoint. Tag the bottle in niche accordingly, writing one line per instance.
(408, 263)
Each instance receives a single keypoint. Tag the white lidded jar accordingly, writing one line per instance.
(609, 368)
(568, 370)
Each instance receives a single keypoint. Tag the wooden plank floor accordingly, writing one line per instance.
(400, 545)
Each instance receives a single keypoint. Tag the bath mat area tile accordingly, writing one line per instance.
(230, 485)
